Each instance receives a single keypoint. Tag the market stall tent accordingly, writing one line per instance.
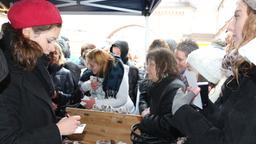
(104, 7)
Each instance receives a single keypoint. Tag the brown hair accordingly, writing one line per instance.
(187, 46)
(85, 48)
(100, 57)
(158, 43)
(165, 62)
(25, 51)
(249, 29)
(248, 33)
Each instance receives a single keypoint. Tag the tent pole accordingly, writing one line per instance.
(146, 44)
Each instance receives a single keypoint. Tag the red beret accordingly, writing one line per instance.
(30, 13)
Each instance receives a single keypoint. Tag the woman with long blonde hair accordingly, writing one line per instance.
(115, 81)
(231, 120)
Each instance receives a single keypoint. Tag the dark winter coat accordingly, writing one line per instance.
(144, 87)
(232, 121)
(159, 122)
(75, 71)
(26, 113)
(64, 87)
(3, 71)
(63, 81)
(86, 75)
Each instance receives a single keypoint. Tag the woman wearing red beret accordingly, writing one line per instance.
(25, 105)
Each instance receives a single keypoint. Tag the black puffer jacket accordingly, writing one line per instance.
(159, 122)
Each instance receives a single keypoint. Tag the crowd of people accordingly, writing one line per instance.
(39, 78)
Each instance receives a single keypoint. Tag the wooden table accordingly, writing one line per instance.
(104, 125)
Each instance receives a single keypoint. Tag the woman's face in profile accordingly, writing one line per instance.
(237, 23)
(151, 70)
(181, 59)
(116, 51)
(93, 66)
(45, 39)
(55, 56)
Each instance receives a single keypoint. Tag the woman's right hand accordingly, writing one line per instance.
(94, 84)
(68, 125)
(145, 112)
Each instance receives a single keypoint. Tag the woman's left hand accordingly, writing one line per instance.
(89, 103)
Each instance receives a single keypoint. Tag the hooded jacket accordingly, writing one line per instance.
(133, 71)
(124, 48)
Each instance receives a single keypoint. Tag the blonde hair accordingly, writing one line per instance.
(248, 33)
(62, 59)
(230, 42)
(100, 57)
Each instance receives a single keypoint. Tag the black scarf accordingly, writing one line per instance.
(113, 78)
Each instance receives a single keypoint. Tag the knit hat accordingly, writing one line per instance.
(30, 13)
(207, 62)
(251, 3)
(248, 51)
(3, 66)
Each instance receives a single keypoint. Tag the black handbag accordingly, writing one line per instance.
(137, 137)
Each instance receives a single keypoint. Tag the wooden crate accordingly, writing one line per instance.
(104, 125)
